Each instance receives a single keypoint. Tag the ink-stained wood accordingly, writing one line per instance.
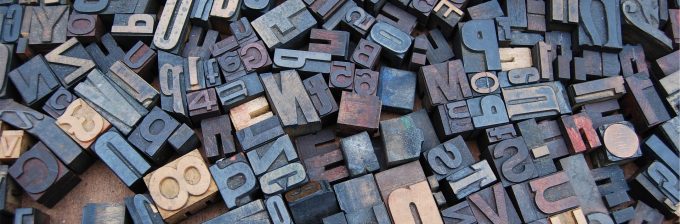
(396, 89)
(235, 179)
(242, 29)
(360, 201)
(277, 210)
(87, 28)
(470, 179)
(259, 133)
(126, 162)
(360, 157)
(642, 103)
(10, 194)
(183, 140)
(397, 17)
(192, 190)
(292, 15)
(82, 123)
(12, 23)
(172, 71)
(104, 213)
(133, 84)
(395, 43)
(7, 63)
(511, 160)
(632, 60)
(477, 46)
(366, 82)
(224, 11)
(402, 138)
(544, 196)
(253, 212)
(34, 80)
(302, 61)
(487, 111)
(643, 28)
(218, 142)
(237, 92)
(202, 104)
(358, 113)
(142, 209)
(444, 82)
(193, 48)
(448, 158)
(596, 90)
(152, 133)
(341, 76)
(113, 52)
(30, 215)
(514, 58)
(13, 143)
(255, 57)
(48, 26)
(605, 34)
(70, 62)
(486, 10)
(492, 205)
(586, 191)
(211, 71)
(283, 179)
(304, 202)
(170, 37)
(129, 28)
(536, 101)
(332, 42)
(322, 156)
(615, 150)
(321, 96)
(357, 21)
(291, 103)
(44, 128)
(42, 176)
(366, 54)
(446, 14)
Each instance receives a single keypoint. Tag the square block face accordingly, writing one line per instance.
(181, 186)
(358, 113)
(82, 123)
(397, 89)
(250, 112)
(13, 143)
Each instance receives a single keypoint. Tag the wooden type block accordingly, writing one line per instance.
(44, 128)
(170, 37)
(172, 71)
(13, 143)
(113, 52)
(235, 180)
(396, 89)
(575, 216)
(359, 154)
(655, 149)
(152, 133)
(190, 191)
(398, 17)
(277, 210)
(666, 65)
(200, 11)
(448, 158)
(536, 15)
(422, 9)
(642, 103)
(12, 23)
(605, 34)
(231, 65)
(483, 83)
(512, 161)
(142, 209)
(122, 158)
(670, 86)
(563, 12)
(119, 108)
(366, 54)
(183, 140)
(224, 11)
(70, 62)
(87, 28)
(599, 218)
(133, 84)
(444, 82)
(645, 28)
(366, 82)
(253, 212)
(283, 179)
(322, 156)
(620, 143)
(524, 38)
(610, 182)
(341, 76)
(334, 20)
(291, 103)
(321, 96)
(504, 30)
(404, 187)
(418, 53)
(335, 43)
(357, 21)
(48, 26)
(360, 201)
(82, 123)
(632, 60)
(623, 215)
(673, 28)
(544, 196)
(42, 176)
(27, 81)
(241, 28)
(402, 139)
(596, 90)
(438, 49)
(291, 16)
(452, 119)
(586, 192)
(594, 65)
(543, 57)
(218, 141)
(305, 62)
(446, 15)
(104, 213)
(560, 42)
(207, 39)
(394, 42)
(477, 46)
(195, 80)
(312, 202)
(255, 57)
(503, 132)
(202, 104)
(487, 111)
(514, 58)
(30, 216)
(324, 9)
(337, 218)
(459, 214)
(534, 138)
(237, 92)
(553, 138)
(470, 179)
(259, 133)
(605, 112)
(358, 113)
(10, 194)
(485, 10)
(581, 136)
(422, 121)
(272, 155)
(668, 131)
(517, 77)
(646, 214)
(131, 28)
(492, 205)
(536, 101)
(211, 71)
(7, 60)
(83, 6)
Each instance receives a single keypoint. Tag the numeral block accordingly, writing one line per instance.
(176, 194)
(202, 104)
(82, 123)
(448, 158)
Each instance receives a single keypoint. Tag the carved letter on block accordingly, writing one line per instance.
(478, 46)
(170, 37)
(291, 103)
(285, 24)
(123, 159)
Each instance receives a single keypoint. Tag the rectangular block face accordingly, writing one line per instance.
(27, 80)
(239, 91)
(332, 42)
(444, 82)
(259, 133)
(142, 208)
(13, 143)
(123, 159)
(587, 194)
(536, 101)
(493, 205)
(322, 156)
(470, 179)
(397, 89)
(291, 103)
(82, 123)
(104, 212)
(359, 154)
(402, 138)
(448, 158)
(40, 162)
(643, 102)
(478, 46)
(545, 196)
(358, 113)
(291, 16)
(304, 202)
(170, 37)
(48, 26)
(151, 137)
(70, 62)
(218, 140)
(487, 111)
(321, 96)
(235, 180)
(203, 189)
(596, 90)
